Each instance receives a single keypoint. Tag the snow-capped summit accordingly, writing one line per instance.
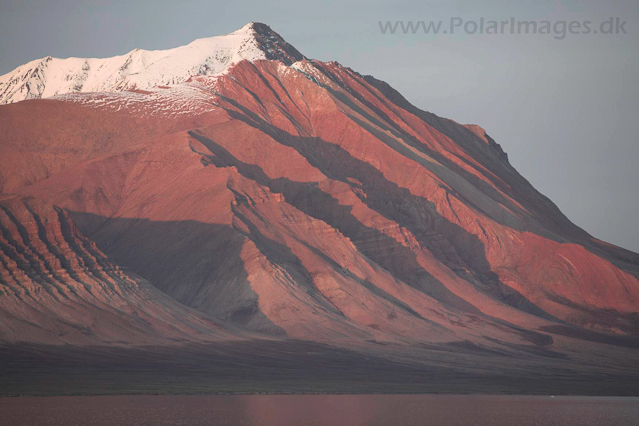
(143, 69)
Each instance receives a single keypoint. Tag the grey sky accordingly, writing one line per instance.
(566, 111)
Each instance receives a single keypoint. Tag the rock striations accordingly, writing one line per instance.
(233, 188)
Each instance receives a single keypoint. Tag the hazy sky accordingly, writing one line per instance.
(566, 111)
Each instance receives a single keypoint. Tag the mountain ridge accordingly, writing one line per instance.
(143, 69)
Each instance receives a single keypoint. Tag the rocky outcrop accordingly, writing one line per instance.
(57, 287)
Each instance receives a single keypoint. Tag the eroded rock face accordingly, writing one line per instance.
(57, 287)
(299, 199)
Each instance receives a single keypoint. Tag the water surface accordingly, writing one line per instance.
(343, 410)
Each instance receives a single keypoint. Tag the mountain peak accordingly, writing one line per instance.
(143, 69)
(256, 40)
(255, 26)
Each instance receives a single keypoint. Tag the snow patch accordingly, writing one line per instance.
(167, 102)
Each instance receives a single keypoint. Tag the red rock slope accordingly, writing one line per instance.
(57, 287)
(312, 202)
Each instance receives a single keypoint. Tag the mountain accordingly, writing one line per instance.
(276, 197)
